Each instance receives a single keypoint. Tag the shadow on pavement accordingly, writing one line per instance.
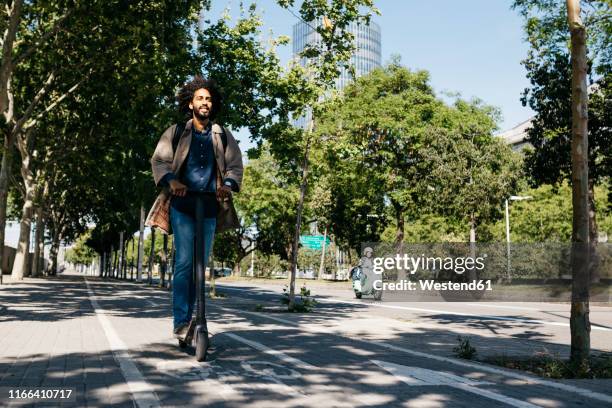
(338, 371)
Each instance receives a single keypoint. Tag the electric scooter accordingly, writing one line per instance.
(198, 333)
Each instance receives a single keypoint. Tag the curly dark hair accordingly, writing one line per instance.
(185, 96)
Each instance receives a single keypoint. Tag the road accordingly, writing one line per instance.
(111, 341)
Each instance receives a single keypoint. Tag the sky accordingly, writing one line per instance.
(471, 47)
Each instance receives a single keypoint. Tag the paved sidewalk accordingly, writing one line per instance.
(110, 340)
(51, 337)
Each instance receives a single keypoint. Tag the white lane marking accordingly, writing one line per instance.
(417, 376)
(265, 349)
(142, 392)
(500, 371)
(438, 311)
(192, 371)
(279, 385)
(268, 369)
(502, 307)
(182, 369)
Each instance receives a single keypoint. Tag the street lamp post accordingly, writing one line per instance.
(511, 198)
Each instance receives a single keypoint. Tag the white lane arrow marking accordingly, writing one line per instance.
(186, 370)
(417, 376)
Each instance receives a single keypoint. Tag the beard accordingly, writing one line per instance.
(201, 115)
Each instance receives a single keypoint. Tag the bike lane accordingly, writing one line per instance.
(261, 359)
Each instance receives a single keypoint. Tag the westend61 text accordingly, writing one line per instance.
(405, 285)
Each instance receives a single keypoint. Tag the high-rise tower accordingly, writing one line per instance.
(367, 55)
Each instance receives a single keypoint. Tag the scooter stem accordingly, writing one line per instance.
(200, 265)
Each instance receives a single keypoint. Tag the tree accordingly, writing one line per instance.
(325, 59)
(549, 70)
(467, 173)
(26, 29)
(357, 204)
(381, 141)
(403, 146)
(580, 326)
(80, 253)
(558, 74)
(266, 205)
(547, 217)
(62, 61)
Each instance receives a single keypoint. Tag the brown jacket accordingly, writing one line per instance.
(229, 165)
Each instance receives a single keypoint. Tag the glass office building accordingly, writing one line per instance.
(367, 55)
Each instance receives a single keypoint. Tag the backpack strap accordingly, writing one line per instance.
(223, 138)
(178, 132)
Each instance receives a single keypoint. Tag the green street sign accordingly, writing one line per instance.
(314, 242)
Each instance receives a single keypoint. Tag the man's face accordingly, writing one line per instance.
(201, 104)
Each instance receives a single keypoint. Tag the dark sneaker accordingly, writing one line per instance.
(181, 331)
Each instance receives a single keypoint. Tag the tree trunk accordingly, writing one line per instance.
(253, 263)
(124, 270)
(38, 254)
(109, 263)
(298, 226)
(20, 265)
(151, 257)
(212, 292)
(132, 261)
(399, 219)
(593, 236)
(164, 262)
(399, 237)
(471, 273)
(140, 245)
(580, 326)
(472, 229)
(41, 249)
(53, 254)
(5, 170)
(121, 259)
(114, 262)
(322, 264)
(171, 263)
(337, 262)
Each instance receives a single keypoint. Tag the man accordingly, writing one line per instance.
(207, 159)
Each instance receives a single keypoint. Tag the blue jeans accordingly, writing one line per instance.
(183, 283)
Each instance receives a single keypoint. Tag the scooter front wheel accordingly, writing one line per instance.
(202, 343)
